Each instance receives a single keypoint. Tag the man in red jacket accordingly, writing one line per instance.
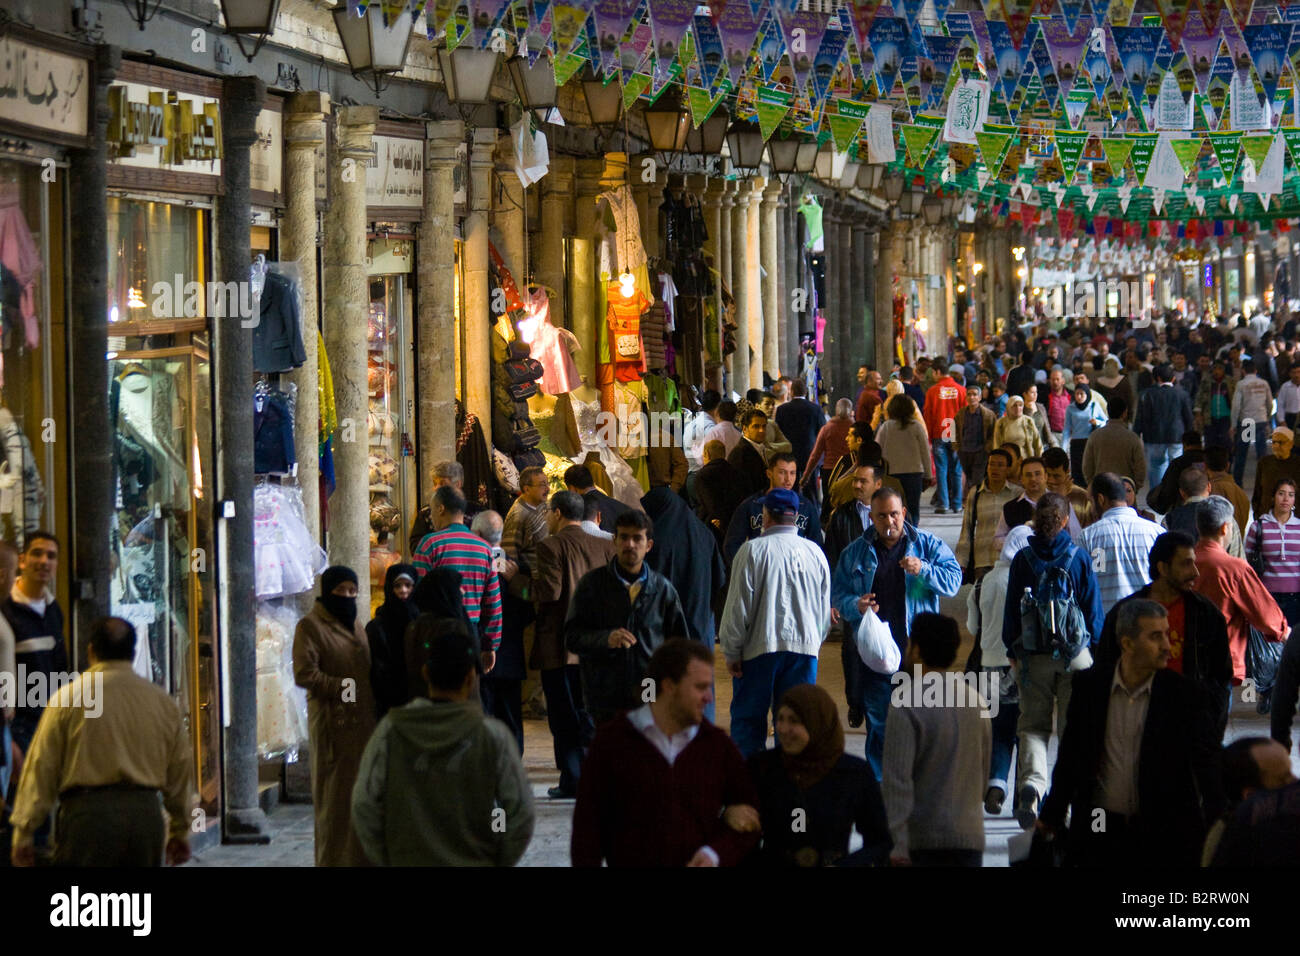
(943, 401)
(657, 779)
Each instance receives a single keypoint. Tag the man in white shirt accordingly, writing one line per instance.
(1252, 417)
(1288, 399)
(1120, 541)
(777, 614)
(725, 429)
(693, 436)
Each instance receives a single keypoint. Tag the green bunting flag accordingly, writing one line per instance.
(773, 103)
(1292, 136)
(634, 87)
(918, 140)
(702, 105)
(1144, 147)
(1256, 148)
(1116, 151)
(566, 66)
(1227, 147)
(994, 147)
(1186, 150)
(846, 121)
(1070, 145)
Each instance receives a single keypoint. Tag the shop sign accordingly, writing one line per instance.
(43, 89)
(266, 157)
(163, 128)
(395, 172)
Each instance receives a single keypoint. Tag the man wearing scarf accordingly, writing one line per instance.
(331, 661)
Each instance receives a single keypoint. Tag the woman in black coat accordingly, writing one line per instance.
(387, 633)
(812, 794)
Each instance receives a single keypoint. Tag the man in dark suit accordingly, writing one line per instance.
(1138, 764)
(577, 479)
(747, 457)
(800, 420)
(719, 488)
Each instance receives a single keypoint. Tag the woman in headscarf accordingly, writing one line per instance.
(1019, 429)
(438, 595)
(1082, 418)
(331, 660)
(808, 776)
(387, 636)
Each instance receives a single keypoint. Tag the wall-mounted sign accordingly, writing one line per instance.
(266, 157)
(395, 172)
(43, 89)
(159, 128)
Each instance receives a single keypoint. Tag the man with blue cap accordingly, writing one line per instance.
(776, 616)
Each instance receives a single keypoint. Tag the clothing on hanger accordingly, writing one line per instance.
(19, 254)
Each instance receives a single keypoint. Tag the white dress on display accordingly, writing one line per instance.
(592, 435)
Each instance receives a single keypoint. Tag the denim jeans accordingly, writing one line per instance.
(947, 475)
(912, 482)
(1159, 457)
(1263, 432)
(876, 690)
(765, 680)
(1004, 734)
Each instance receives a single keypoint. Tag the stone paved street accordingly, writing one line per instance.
(292, 841)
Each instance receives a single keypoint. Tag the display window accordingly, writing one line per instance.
(390, 378)
(161, 418)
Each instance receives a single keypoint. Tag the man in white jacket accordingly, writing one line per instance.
(777, 613)
(1252, 419)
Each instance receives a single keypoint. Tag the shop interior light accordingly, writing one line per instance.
(627, 285)
(1018, 252)
(978, 267)
(870, 175)
(894, 187)
(668, 122)
(745, 143)
(961, 287)
(375, 52)
(251, 18)
(467, 74)
(604, 100)
(134, 300)
(707, 140)
(535, 85)
(932, 210)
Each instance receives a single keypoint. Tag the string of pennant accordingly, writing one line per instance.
(1081, 104)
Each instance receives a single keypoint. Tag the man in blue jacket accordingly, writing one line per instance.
(898, 571)
(1045, 679)
(747, 520)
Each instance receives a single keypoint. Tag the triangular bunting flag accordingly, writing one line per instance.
(1116, 151)
(773, 103)
(1292, 137)
(919, 140)
(702, 105)
(1186, 150)
(1227, 147)
(1256, 149)
(1070, 145)
(846, 122)
(993, 147)
(1144, 147)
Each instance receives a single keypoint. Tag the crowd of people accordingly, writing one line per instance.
(1119, 625)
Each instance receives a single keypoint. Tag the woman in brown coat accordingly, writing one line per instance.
(331, 660)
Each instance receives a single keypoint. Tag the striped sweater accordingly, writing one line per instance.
(456, 547)
(1280, 548)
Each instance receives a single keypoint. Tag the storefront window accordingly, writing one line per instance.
(160, 412)
(30, 337)
(392, 410)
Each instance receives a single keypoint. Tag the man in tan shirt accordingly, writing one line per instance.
(107, 745)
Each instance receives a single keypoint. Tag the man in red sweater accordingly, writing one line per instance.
(943, 401)
(869, 397)
(1232, 585)
(657, 779)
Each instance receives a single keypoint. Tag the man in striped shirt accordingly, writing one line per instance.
(1118, 543)
(527, 524)
(453, 545)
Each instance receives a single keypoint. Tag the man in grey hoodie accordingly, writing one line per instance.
(440, 783)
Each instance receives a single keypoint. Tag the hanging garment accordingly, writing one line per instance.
(654, 337)
(273, 452)
(668, 297)
(277, 337)
(625, 348)
(472, 454)
(329, 419)
(22, 492)
(589, 423)
(20, 256)
(621, 249)
(281, 705)
(286, 559)
(553, 348)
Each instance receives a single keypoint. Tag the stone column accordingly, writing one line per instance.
(793, 320)
(584, 265)
(556, 213)
(858, 268)
(871, 327)
(650, 196)
(849, 321)
(754, 277)
(241, 101)
(508, 213)
(836, 356)
(890, 259)
(92, 465)
(711, 190)
(724, 272)
(435, 356)
(304, 132)
(478, 294)
(740, 266)
(346, 306)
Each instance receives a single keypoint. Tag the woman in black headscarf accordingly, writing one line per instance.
(387, 636)
(331, 660)
(808, 776)
(437, 595)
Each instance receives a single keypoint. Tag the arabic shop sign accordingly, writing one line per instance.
(42, 89)
(163, 128)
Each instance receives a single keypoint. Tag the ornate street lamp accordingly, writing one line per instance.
(910, 203)
(745, 143)
(870, 175)
(931, 209)
(375, 52)
(467, 74)
(255, 18)
(139, 10)
(535, 85)
(604, 100)
(668, 122)
(707, 140)
(829, 164)
(893, 187)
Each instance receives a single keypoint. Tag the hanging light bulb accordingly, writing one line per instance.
(627, 285)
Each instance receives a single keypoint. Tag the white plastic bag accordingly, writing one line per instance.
(876, 645)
